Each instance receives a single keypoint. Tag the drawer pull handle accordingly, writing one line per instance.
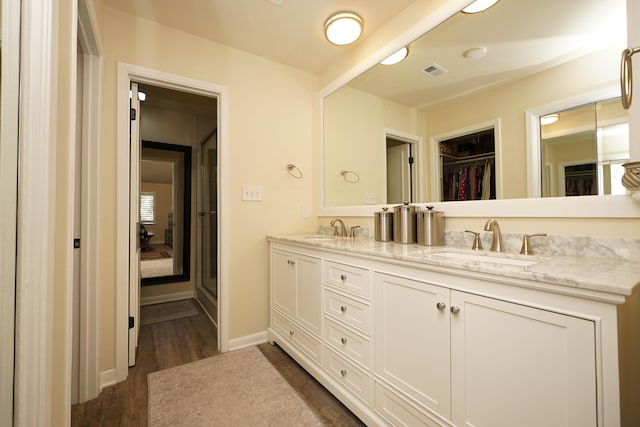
(343, 308)
(441, 306)
(455, 309)
(343, 277)
(343, 372)
(343, 340)
(291, 333)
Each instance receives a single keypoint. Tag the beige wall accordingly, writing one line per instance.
(354, 123)
(270, 124)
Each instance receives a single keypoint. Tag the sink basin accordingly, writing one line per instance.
(320, 238)
(484, 258)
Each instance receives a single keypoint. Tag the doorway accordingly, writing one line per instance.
(403, 167)
(181, 86)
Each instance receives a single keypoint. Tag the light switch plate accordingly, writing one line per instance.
(369, 198)
(252, 193)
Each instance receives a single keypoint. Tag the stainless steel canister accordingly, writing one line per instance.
(430, 227)
(404, 223)
(383, 222)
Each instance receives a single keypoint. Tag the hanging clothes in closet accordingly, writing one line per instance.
(469, 180)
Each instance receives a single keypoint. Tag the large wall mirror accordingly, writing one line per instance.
(165, 212)
(472, 73)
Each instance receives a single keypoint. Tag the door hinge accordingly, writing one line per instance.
(410, 160)
(76, 243)
(132, 322)
(132, 114)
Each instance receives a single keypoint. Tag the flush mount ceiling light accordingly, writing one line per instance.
(343, 28)
(396, 57)
(475, 53)
(479, 6)
(548, 119)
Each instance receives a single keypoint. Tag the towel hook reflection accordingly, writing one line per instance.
(350, 176)
(626, 76)
(294, 171)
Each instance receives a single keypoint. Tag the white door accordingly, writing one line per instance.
(134, 225)
(399, 174)
(514, 365)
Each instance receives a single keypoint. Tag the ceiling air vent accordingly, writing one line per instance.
(434, 70)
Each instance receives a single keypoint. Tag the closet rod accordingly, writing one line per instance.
(470, 159)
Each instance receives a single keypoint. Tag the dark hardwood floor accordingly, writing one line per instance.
(167, 344)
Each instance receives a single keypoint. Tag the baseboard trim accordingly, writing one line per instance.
(167, 298)
(248, 340)
(107, 378)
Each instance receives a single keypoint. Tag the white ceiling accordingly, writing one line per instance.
(291, 33)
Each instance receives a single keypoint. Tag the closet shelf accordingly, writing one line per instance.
(467, 159)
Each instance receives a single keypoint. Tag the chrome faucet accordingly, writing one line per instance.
(496, 241)
(342, 232)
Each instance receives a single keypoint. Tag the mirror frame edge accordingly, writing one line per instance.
(548, 207)
(187, 151)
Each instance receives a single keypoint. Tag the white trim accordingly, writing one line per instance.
(107, 378)
(89, 39)
(158, 299)
(248, 340)
(125, 74)
(36, 216)
(10, 96)
(434, 166)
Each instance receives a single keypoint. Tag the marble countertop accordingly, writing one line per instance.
(618, 277)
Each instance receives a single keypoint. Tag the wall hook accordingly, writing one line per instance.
(294, 171)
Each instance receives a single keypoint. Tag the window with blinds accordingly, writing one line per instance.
(148, 208)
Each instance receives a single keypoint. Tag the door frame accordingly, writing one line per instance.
(417, 148)
(126, 74)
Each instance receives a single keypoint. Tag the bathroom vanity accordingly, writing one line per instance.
(441, 336)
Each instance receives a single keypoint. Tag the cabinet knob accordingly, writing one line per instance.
(343, 340)
(291, 333)
(455, 309)
(441, 306)
(343, 277)
(343, 372)
(292, 261)
(343, 308)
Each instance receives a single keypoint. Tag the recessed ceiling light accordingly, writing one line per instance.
(396, 57)
(475, 53)
(548, 119)
(479, 6)
(343, 28)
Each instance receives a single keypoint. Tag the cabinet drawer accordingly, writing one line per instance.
(348, 278)
(348, 374)
(398, 411)
(308, 344)
(348, 342)
(353, 313)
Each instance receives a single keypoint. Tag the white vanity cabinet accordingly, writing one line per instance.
(479, 361)
(296, 292)
(401, 342)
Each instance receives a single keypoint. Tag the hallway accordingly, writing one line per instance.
(175, 342)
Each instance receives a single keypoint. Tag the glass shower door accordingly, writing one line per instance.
(208, 213)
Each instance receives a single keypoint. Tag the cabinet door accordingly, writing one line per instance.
(412, 339)
(514, 365)
(308, 309)
(283, 281)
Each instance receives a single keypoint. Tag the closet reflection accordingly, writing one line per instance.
(165, 201)
(583, 150)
